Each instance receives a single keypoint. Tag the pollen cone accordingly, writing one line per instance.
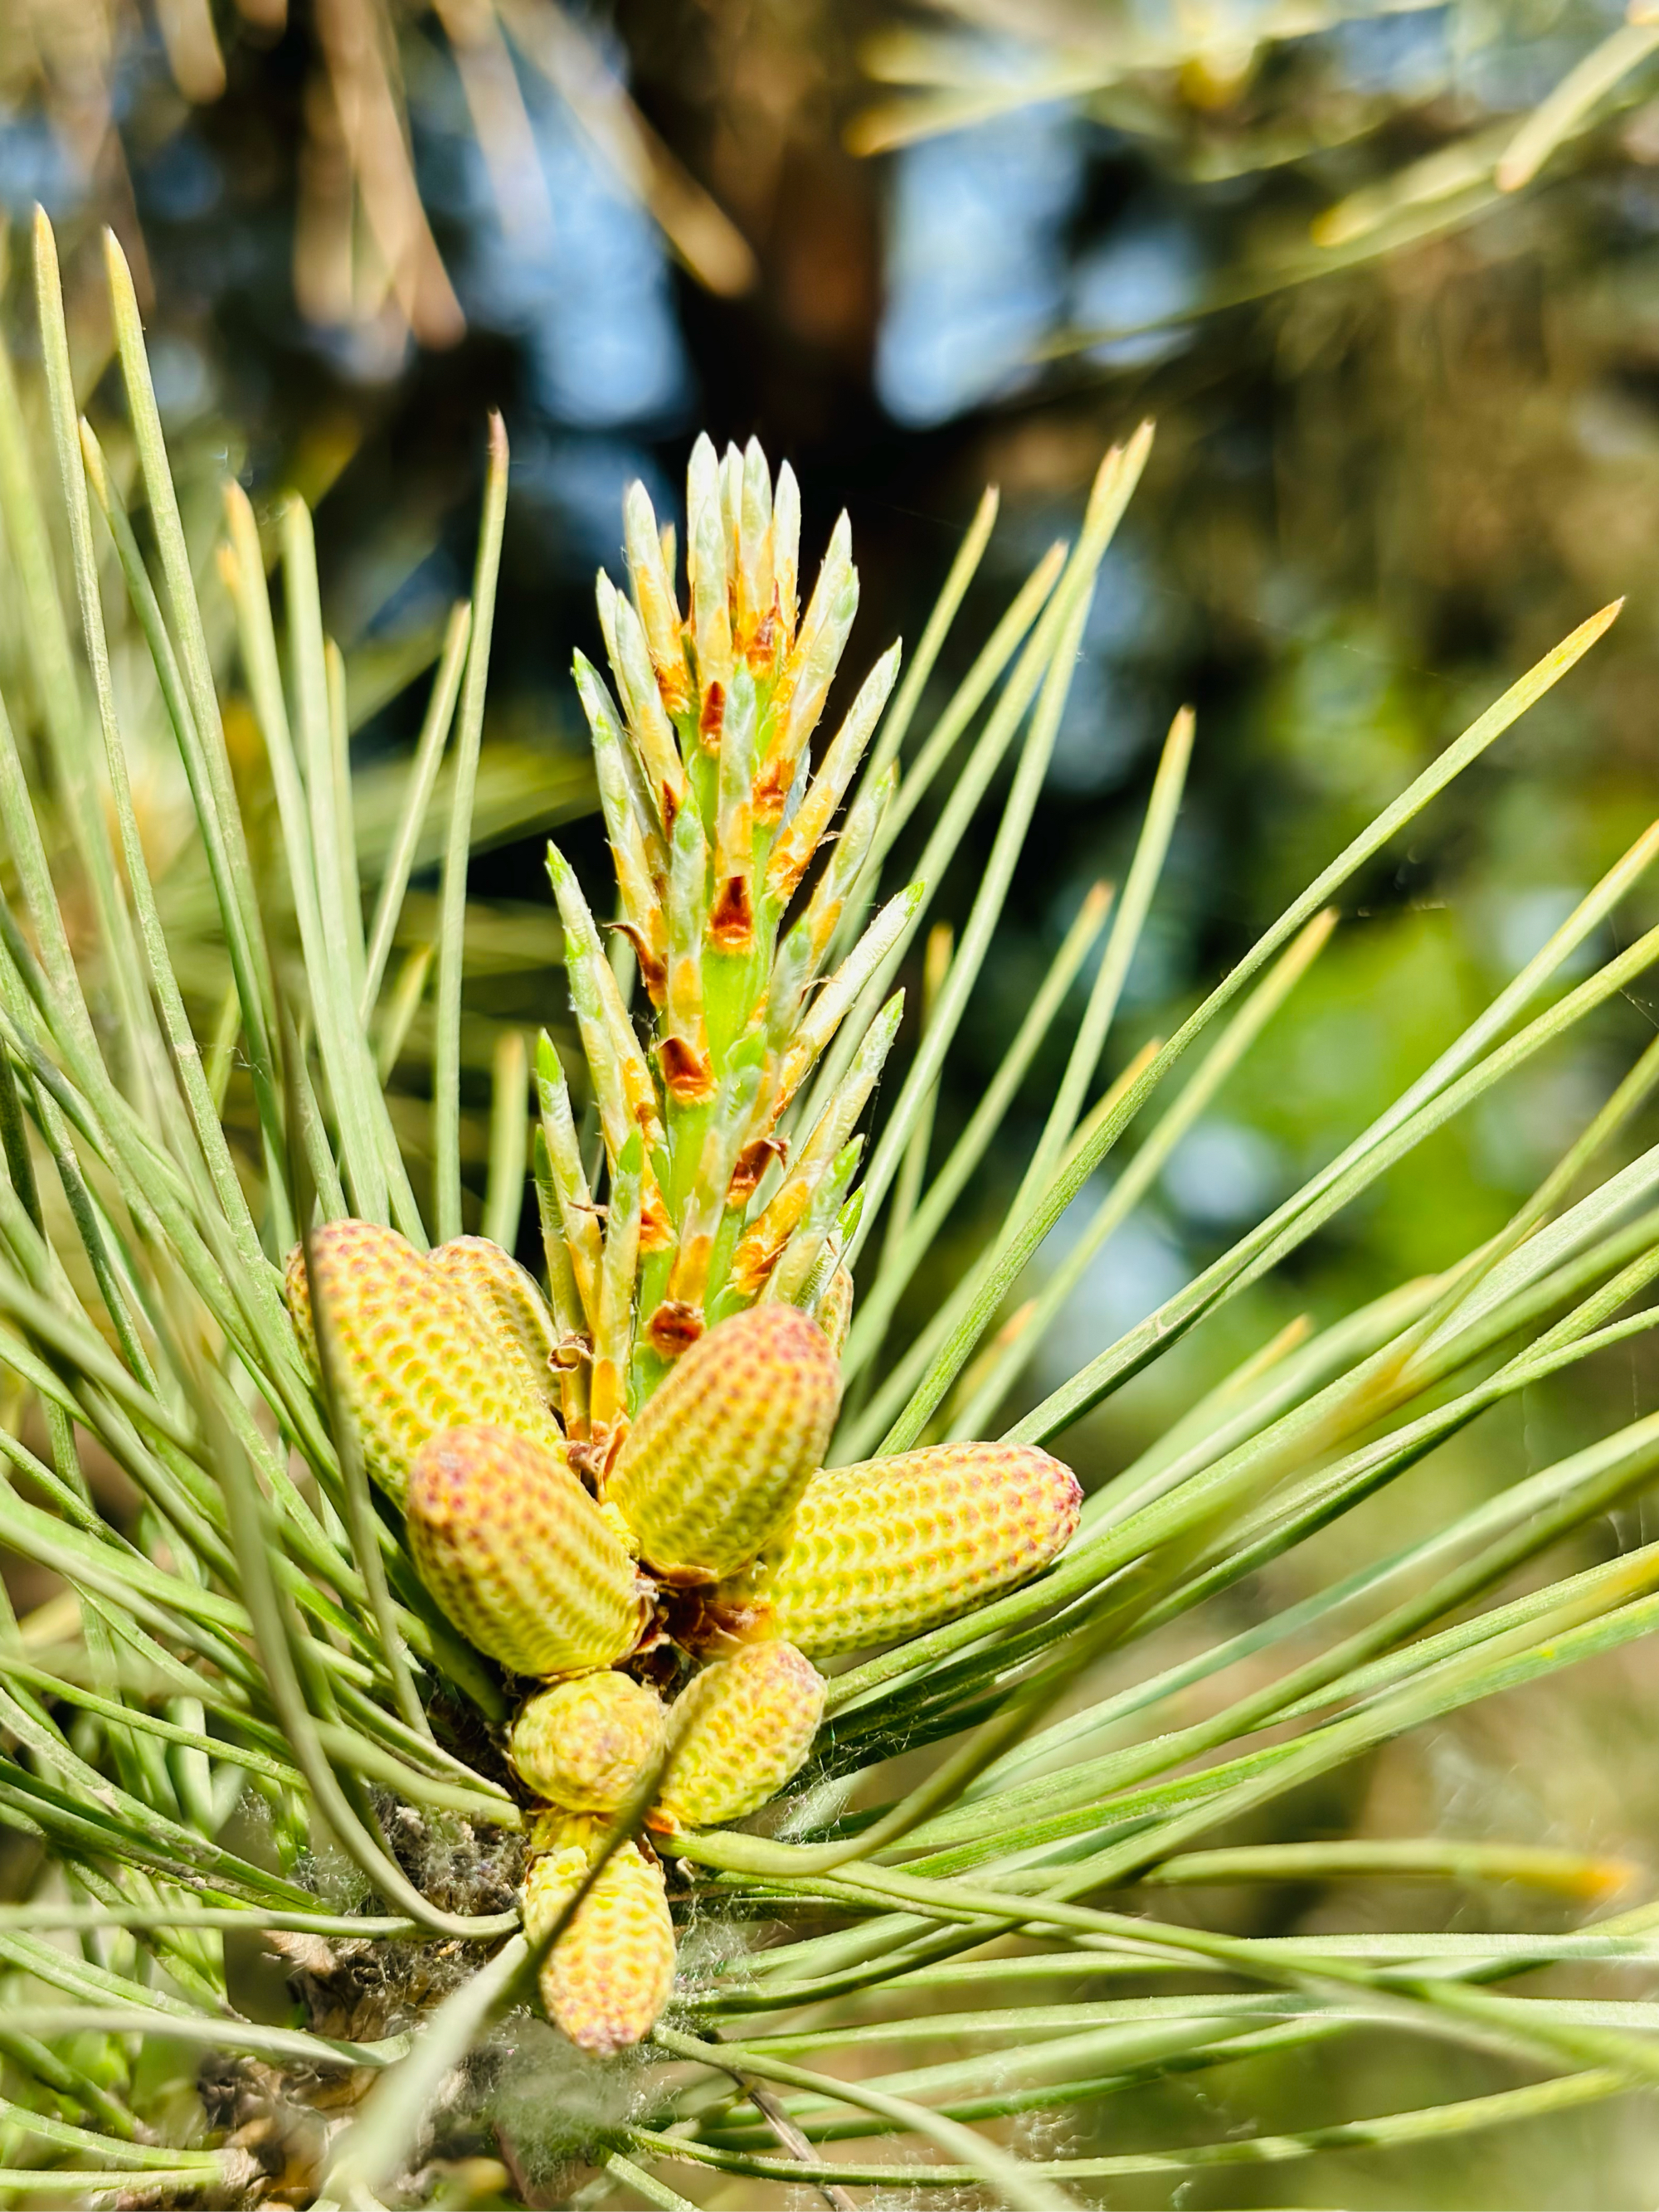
(514, 1312)
(740, 1729)
(518, 1554)
(611, 1971)
(581, 1744)
(891, 1546)
(415, 1354)
(719, 1455)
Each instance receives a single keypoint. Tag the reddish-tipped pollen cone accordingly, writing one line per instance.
(892, 1547)
(518, 1554)
(611, 1971)
(740, 1730)
(415, 1354)
(581, 1745)
(718, 1459)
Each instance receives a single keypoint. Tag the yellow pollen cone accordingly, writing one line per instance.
(415, 1354)
(611, 1971)
(519, 1555)
(892, 1547)
(740, 1729)
(719, 1455)
(581, 1744)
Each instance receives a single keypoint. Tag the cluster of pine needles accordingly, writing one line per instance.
(243, 1726)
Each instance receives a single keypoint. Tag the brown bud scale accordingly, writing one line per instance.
(732, 918)
(674, 1328)
(687, 1071)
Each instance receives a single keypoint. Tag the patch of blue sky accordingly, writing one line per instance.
(590, 297)
(181, 182)
(1401, 53)
(1130, 1277)
(34, 166)
(579, 482)
(1109, 719)
(1141, 279)
(1224, 1173)
(183, 377)
(1508, 71)
(976, 260)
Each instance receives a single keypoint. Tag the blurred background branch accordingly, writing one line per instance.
(363, 245)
